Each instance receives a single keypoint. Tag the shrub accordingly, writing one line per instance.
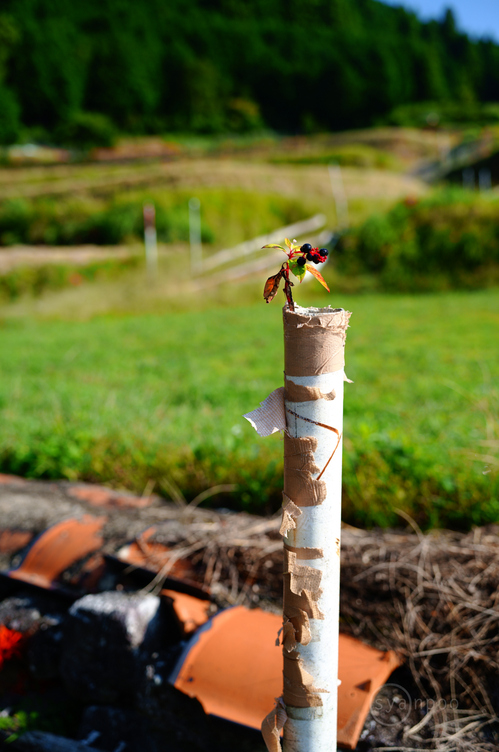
(433, 114)
(448, 240)
(243, 116)
(85, 130)
(35, 280)
(10, 124)
(15, 219)
(49, 222)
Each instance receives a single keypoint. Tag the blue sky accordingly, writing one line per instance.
(476, 17)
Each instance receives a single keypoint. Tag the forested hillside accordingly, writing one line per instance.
(216, 65)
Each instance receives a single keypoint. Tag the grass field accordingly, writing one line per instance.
(158, 398)
(143, 385)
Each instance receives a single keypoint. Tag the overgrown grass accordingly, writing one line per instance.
(132, 399)
(350, 155)
(228, 215)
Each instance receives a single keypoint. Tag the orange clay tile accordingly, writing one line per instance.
(57, 548)
(191, 612)
(13, 540)
(234, 668)
(98, 496)
(143, 552)
(11, 479)
(362, 670)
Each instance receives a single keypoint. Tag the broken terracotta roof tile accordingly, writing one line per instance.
(234, 668)
(12, 541)
(191, 612)
(57, 548)
(144, 552)
(6, 479)
(99, 496)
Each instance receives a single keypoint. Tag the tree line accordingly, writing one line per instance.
(211, 66)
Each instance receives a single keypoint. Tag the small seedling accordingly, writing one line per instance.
(297, 265)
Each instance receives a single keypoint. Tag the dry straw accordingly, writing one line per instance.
(434, 598)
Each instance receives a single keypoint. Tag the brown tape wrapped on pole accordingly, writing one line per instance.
(314, 344)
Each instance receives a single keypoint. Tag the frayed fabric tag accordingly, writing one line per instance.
(270, 417)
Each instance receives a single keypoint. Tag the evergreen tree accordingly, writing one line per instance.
(215, 64)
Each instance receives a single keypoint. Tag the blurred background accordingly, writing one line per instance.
(149, 151)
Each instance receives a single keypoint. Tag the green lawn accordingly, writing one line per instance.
(135, 399)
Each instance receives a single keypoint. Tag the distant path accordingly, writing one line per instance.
(22, 255)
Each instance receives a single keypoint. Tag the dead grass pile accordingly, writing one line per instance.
(434, 599)
(431, 597)
(238, 556)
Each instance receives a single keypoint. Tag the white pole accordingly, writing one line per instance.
(484, 179)
(150, 241)
(195, 236)
(309, 409)
(469, 178)
(314, 377)
(339, 195)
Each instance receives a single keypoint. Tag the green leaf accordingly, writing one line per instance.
(297, 270)
(274, 245)
(318, 276)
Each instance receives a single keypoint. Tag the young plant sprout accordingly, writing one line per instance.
(297, 265)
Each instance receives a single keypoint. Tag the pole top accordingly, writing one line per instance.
(314, 340)
(311, 311)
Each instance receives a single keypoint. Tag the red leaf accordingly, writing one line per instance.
(318, 276)
(272, 286)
